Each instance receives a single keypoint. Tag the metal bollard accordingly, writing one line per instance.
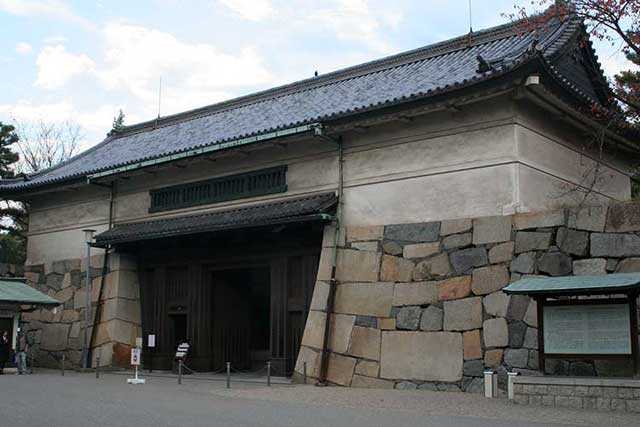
(268, 374)
(98, 366)
(304, 372)
(228, 374)
(62, 365)
(180, 371)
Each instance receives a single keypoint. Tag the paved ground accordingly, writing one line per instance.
(48, 399)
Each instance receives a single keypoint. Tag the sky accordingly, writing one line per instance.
(82, 61)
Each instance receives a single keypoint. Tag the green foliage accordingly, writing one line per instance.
(8, 157)
(12, 249)
(118, 122)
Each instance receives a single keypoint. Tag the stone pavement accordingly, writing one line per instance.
(48, 399)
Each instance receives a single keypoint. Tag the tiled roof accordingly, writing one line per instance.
(567, 285)
(15, 291)
(314, 207)
(408, 76)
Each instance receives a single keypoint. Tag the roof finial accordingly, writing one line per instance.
(469, 41)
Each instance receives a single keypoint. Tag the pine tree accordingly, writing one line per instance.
(8, 157)
(118, 122)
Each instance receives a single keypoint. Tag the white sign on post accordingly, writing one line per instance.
(135, 356)
(135, 361)
(151, 342)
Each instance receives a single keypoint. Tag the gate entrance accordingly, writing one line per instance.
(238, 296)
(241, 318)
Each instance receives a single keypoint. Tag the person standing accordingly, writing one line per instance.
(22, 348)
(5, 350)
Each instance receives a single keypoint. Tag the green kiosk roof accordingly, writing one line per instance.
(576, 285)
(16, 291)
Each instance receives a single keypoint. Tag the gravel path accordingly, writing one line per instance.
(48, 399)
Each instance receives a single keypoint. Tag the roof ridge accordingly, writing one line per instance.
(441, 48)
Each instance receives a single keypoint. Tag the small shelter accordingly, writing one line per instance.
(585, 317)
(16, 297)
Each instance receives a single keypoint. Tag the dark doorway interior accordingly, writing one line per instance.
(241, 311)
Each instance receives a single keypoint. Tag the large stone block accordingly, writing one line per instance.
(363, 233)
(573, 242)
(423, 356)
(465, 259)
(555, 264)
(357, 266)
(415, 293)
(365, 246)
(629, 265)
(421, 250)
(589, 218)
(54, 336)
(525, 221)
(494, 229)
(516, 358)
(614, 245)
(495, 332)
(432, 268)
(623, 218)
(54, 281)
(463, 314)
(118, 331)
(457, 241)
(392, 248)
(489, 279)
(590, 267)
(431, 319)
(311, 358)
(454, 226)
(518, 307)
(454, 288)
(396, 269)
(368, 299)
(496, 304)
(408, 318)
(524, 263)
(320, 296)
(340, 369)
(314, 329)
(493, 358)
(502, 252)
(368, 368)
(472, 345)
(341, 327)
(365, 343)
(420, 232)
(517, 331)
(64, 295)
(123, 309)
(527, 241)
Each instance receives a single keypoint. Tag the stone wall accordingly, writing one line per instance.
(421, 305)
(58, 331)
(578, 393)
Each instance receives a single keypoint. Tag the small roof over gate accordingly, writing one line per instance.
(576, 285)
(17, 292)
(316, 207)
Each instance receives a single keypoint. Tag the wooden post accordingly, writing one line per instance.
(540, 314)
(633, 309)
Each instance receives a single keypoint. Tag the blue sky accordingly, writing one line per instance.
(84, 60)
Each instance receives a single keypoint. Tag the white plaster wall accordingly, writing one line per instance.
(439, 166)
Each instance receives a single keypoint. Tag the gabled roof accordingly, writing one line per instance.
(17, 292)
(575, 285)
(398, 79)
(300, 209)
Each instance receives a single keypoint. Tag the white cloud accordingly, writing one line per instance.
(47, 8)
(56, 66)
(193, 74)
(252, 10)
(56, 39)
(23, 48)
(357, 20)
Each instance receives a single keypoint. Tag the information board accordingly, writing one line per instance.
(135, 356)
(587, 329)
